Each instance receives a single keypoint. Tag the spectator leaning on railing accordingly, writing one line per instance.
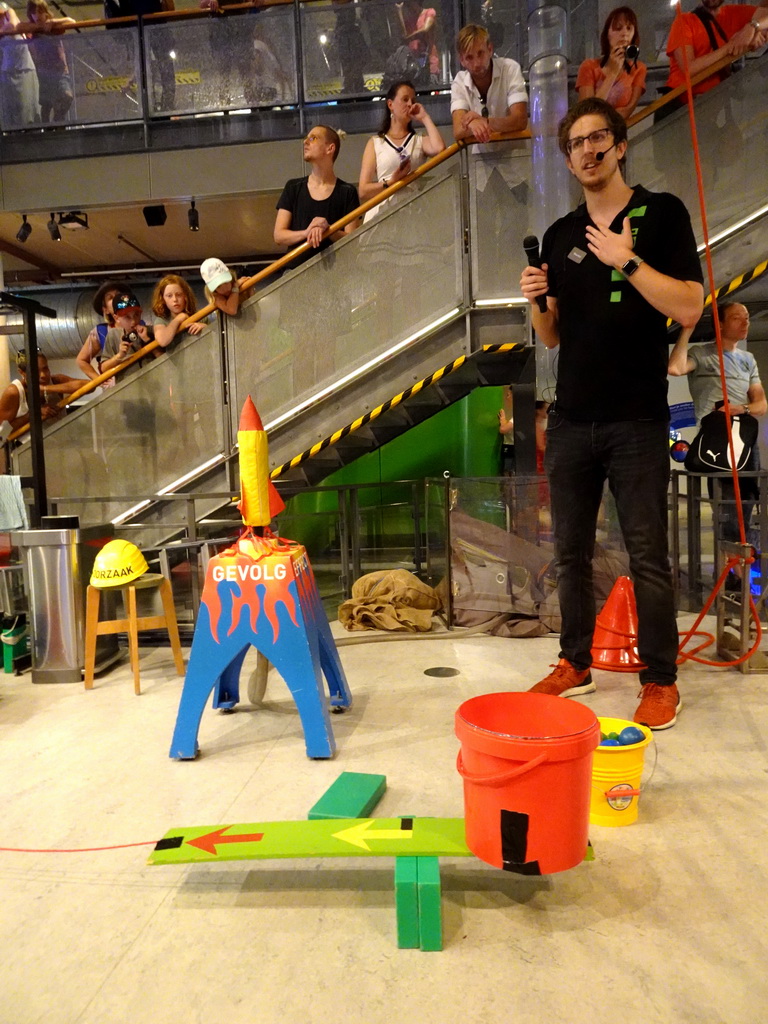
(223, 287)
(489, 95)
(397, 149)
(93, 345)
(50, 61)
(308, 206)
(173, 302)
(14, 408)
(129, 334)
(714, 30)
(19, 99)
(617, 76)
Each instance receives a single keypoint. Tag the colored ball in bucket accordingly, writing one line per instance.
(609, 742)
(631, 735)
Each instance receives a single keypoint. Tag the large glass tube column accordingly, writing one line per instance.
(548, 95)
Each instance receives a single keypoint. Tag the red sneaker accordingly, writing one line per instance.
(658, 706)
(565, 681)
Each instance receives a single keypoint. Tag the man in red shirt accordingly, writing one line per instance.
(708, 34)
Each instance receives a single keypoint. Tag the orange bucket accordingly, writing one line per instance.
(526, 762)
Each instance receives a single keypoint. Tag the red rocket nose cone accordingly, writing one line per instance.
(249, 417)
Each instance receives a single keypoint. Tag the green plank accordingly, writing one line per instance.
(352, 795)
(430, 910)
(347, 837)
(407, 902)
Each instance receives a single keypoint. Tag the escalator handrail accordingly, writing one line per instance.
(680, 90)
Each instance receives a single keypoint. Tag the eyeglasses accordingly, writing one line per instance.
(595, 139)
(313, 138)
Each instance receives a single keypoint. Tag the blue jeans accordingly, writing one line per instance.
(633, 455)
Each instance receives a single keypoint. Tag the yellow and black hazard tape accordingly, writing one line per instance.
(738, 282)
(741, 281)
(392, 403)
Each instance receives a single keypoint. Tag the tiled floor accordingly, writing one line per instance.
(666, 925)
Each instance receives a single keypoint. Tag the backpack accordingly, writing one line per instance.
(709, 451)
(405, 65)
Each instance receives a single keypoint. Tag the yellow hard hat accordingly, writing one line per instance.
(118, 562)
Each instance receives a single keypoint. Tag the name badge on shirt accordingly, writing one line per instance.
(576, 254)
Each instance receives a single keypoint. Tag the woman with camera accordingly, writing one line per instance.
(617, 77)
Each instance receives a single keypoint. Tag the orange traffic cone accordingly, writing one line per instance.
(613, 644)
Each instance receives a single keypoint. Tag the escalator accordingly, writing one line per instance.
(351, 349)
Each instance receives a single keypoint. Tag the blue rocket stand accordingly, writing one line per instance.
(291, 631)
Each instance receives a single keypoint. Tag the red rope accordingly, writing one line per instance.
(731, 562)
(712, 289)
(83, 849)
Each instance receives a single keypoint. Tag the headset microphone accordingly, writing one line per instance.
(531, 247)
(601, 156)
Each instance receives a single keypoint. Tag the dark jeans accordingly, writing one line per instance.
(634, 457)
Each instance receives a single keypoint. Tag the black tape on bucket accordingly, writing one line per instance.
(514, 844)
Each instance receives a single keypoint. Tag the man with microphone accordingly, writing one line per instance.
(612, 272)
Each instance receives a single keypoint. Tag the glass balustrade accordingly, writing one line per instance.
(102, 82)
(350, 305)
(732, 124)
(499, 197)
(338, 49)
(156, 424)
(353, 49)
(236, 60)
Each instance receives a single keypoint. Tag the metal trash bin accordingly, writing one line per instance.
(58, 559)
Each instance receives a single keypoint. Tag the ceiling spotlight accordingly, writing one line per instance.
(74, 221)
(193, 217)
(25, 230)
(53, 230)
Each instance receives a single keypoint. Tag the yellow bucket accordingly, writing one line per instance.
(616, 774)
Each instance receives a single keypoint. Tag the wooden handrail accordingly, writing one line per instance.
(163, 15)
(679, 90)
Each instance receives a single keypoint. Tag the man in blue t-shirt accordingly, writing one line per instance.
(612, 272)
(308, 206)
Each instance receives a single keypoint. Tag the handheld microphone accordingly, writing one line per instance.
(601, 156)
(531, 247)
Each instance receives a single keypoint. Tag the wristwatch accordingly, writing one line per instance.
(746, 408)
(631, 266)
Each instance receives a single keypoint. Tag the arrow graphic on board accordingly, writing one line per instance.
(211, 840)
(359, 835)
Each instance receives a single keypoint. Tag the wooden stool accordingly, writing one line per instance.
(132, 625)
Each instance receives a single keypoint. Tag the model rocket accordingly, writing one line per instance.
(261, 592)
(259, 500)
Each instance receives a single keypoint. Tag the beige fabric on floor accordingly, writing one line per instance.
(392, 599)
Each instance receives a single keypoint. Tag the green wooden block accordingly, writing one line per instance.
(407, 902)
(352, 795)
(430, 910)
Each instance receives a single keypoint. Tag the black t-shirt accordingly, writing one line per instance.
(303, 208)
(614, 346)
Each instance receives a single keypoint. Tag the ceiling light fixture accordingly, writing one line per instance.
(193, 217)
(74, 221)
(53, 229)
(25, 230)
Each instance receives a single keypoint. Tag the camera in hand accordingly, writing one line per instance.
(133, 337)
(632, 52)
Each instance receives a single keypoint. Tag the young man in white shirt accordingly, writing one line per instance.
(489, 95)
